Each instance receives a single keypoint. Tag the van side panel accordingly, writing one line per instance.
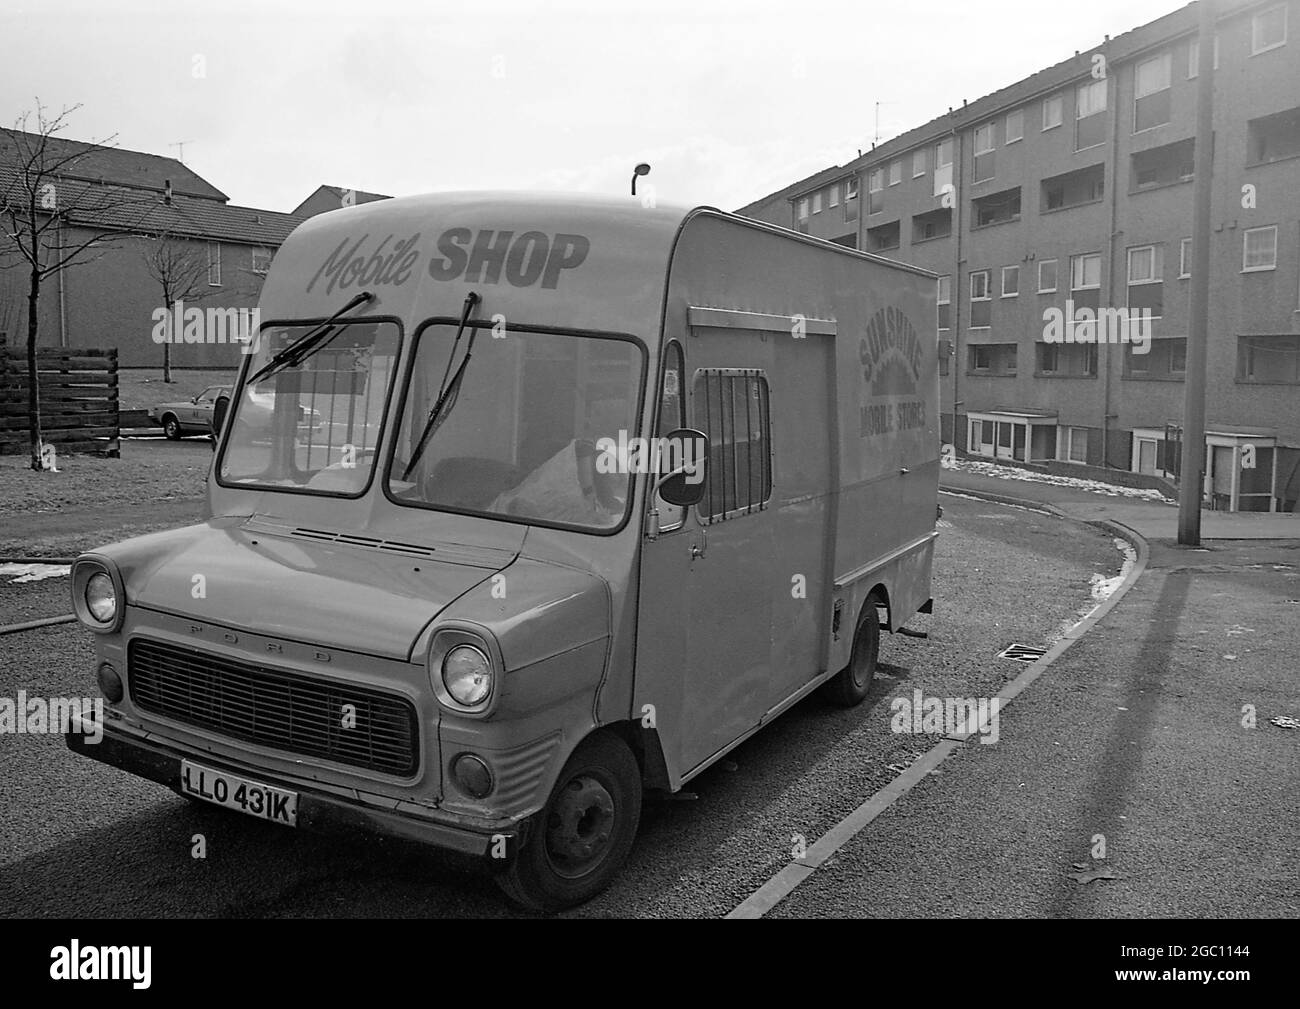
(889, 395)
(803, 416)
(854, 398)
(886, 387)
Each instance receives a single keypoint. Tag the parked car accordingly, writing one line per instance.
(194, 416)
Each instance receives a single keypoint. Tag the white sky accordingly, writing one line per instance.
(728, 101)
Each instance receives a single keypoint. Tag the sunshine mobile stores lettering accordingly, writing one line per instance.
(890, 353)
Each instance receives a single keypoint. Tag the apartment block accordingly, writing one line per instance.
(1058, 214)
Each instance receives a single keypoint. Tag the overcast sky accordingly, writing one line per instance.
(727, 100)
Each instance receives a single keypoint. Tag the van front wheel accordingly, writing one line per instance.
(850, 686)
(578, 842)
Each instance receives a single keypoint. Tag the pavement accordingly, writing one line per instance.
(1152, 770)
(1150, 519)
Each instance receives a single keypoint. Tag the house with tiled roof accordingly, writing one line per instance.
(327, 198)
(136, 199)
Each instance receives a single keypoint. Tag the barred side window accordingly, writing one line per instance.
(731, 404)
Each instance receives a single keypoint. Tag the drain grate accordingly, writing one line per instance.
(1022, 653)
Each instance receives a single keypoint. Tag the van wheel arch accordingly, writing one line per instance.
(852, 685)
(648, 749)
(881, 592)
(575, 845)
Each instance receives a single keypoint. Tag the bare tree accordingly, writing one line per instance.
(54, 220)
(181, 270)
(10, 313)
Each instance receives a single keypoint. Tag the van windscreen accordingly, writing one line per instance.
(532, 432)
(313, 425)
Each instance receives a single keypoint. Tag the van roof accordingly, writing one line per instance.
(616, 213)
(658, 219)
(545, 258)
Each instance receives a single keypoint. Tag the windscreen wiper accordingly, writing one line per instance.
(307, 344)
(447, 391)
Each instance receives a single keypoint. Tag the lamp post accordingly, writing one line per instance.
(1193, 461)
(641, 169)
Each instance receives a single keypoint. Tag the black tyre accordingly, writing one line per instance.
(171, 427)
(850, 686)
(580, 840)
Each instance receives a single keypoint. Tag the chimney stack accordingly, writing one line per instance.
(167, 192)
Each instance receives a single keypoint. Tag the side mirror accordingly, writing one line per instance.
(676, 489)
(686, 451)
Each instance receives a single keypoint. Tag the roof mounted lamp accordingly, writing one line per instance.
(641, 169)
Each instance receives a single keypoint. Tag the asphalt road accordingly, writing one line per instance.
(78, 839)
(1148, 752)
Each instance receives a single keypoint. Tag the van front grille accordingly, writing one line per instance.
(271, 707)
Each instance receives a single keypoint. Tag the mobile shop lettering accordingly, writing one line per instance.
(890, 353)
(479, 258)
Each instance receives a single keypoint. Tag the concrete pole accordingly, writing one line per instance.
(1193, 463)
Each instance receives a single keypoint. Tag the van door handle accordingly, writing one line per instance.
(904, 471)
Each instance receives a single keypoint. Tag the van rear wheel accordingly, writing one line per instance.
(580, 840)
(850, 686)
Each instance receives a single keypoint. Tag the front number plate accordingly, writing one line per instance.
(251, 797)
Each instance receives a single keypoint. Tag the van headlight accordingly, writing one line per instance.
(101, 597)
(467, 675)
(97, 596)
(465, 667)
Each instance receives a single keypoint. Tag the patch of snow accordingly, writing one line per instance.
(1102, 587)
(34, 572)
(1056, 480)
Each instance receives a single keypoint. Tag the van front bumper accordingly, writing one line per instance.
(318, 810)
